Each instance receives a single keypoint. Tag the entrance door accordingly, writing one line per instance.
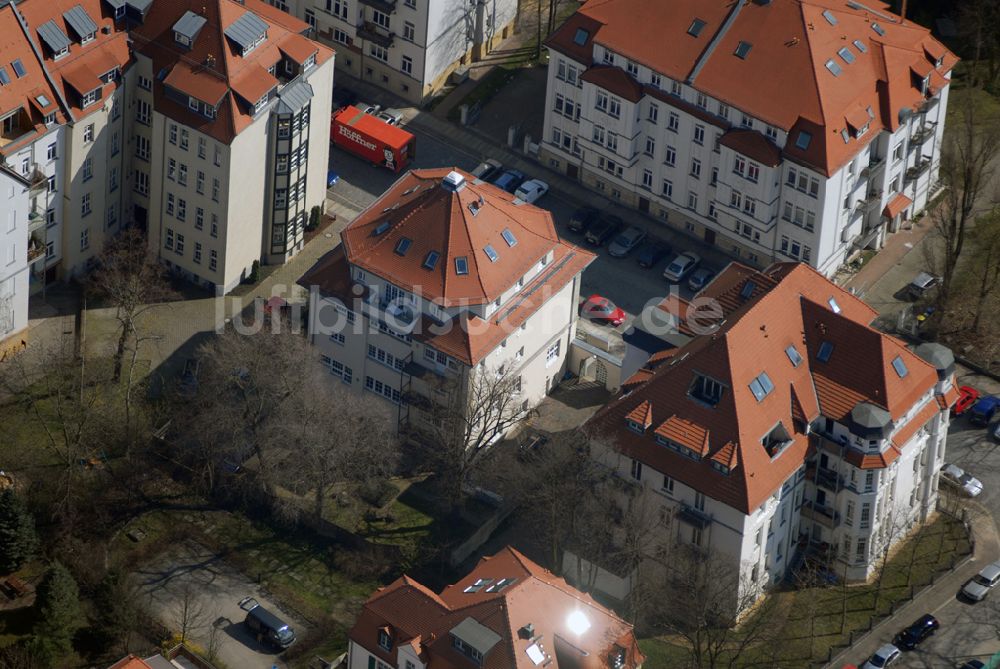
(643, 205)
(601, 373)
(139, 214)
(572, 171)
(709, 236)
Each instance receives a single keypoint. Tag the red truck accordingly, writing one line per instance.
(371, 138)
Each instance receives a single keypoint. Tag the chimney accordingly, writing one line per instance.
(453, 182)
(527, 631)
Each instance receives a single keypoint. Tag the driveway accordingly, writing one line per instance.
(194, 579)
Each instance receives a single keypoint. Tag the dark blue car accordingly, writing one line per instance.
(982, 412)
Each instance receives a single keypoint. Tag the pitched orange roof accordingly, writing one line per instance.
(642, 414)
(615, 81)
(130, 662)
(896, 205)
(753, 145)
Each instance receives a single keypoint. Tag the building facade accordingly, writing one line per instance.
(442, 279)
(786, 425)
(507, 612)
(408, 47)
(14, 210)
(686, 112)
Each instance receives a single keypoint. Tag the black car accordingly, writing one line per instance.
(582, 219)
(917, 632)
(487, 169)
(652, 253)
(973, 664)
(604, 229)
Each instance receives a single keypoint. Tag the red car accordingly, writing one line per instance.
(967, 396)
(602, 310)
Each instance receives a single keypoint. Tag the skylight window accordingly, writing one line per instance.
(793, 355)
(833, 305)
(461, 265)
(696, 27)
(18, 68)
(833, 67)
(4, 77)
(581, 37)
(803, 140)
(490, 252)
(380, 229)
(846, 55)
(509, 237)
(431, 260)
(879, 30)
(860, 46)
(403, 245)
(742, 49)
(761, 386)
(824, 352)
(830, 18)
(900, 366)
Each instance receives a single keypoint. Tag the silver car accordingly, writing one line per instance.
(957, 477)
(980, 585)
(682, 265)
(626, 242)
(883, 657)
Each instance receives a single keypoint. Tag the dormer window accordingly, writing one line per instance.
(719, 467)
(384, 640)
(183, 40)
(635, 426)
(60, 53)
(707, 390)
(310, 62)
(260, 104)
(193, 104)
(776, 440)
(90, 98)
(110, 75)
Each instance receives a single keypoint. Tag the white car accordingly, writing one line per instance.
(530, 191)
(682, 265)
(883, 657)
(955, 476)
(980, 585)
(391, 116)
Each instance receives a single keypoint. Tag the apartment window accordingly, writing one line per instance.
(653, 113)
(380, 19)
(636, 470)
(201, 147)
(753, 172)
(141, 182)
(170, 204)
(179, 248)
(695, 168)
(171, 169)
(552, 354)
(668, 189)
(759, 536)
(379, 52)
(869, 481)
(692, 200)
(712, 211)
(407, 65)
(88, 133)
(647, 179)
(85, 205)
(409, 31)
(675, 88)
(612, 142)
(145, 84)
(673, 122)
(50, 152)
(650, 146)
(701, 100)
(199, 218)
(172, 133)
(715, 176)
(115, 143)
(668, 485)
(113, 179)
(861, 552)
(215, 225)
(213, 260)
(51, 183)
(772, 133)
(169, 242)
(699, 134)
(215, 189)
(849, 513)
(141, 147)
(199, 184)
(746, 121)
(724, 110)
(181, 209)
(85, 239)
(750, 206)
(88, 169)
(112, 218)
(671, 157)
(217, 159)
(897, 152)
(866, 513)
(699, 501)
(197, 252)
(340, 36)
(182, 175)
(656, 81)
(602, 101)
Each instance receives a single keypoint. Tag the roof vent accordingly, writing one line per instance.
(453, 182)
(527, 631)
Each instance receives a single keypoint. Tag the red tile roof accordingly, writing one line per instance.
(417, 617)
(615, 81)
(896, 205)
(753, 145)
(789, 305)
(783, 80)
(214, 68)
(130, 662)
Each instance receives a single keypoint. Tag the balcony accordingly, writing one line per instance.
(921, 135)
(824, 515)
(874, 166)
(384, 6)
(693, 516)
(14, 127)
(36, 247)
(36, 220)
(38, 183)
(371, 32)
(829, 479)
(915, 172)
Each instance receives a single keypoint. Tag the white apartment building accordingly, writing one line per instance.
(791, 427)
(408, 47)
(14, 208)
(773, 129)
(230, 136)
(441, 278)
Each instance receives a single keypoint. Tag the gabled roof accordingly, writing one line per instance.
(506, 602)
(783, 79)
(764, 315)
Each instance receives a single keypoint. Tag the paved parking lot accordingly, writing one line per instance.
(211, 589)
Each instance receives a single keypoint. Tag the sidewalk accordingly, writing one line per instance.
(986, 550)
(897, 245)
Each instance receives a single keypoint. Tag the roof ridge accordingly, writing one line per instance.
(812, 66)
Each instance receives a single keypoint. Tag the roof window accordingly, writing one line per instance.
(793, 355)
(431, 260)
(833, 67)
(403, 245)
(490, 252)
(461, 265)
(581, 37)
(833, 305)
(743, 49)
(380, 229)
(900, 366)
(830, 18)
(824, 352)
(509, 237)
(776, 440)
(707, 390)
(696, 27)
(844, 135)
(478, 585)
(846, 55)
(860, 46)
(879, 30)
(761, 386)
(18, 67)
(4, 77)
(803, 140)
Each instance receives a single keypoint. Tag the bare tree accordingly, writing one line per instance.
(977, 23)
(133, 283)
(967, 169)
(190, 614)
(458, 424)
(893, 527)
(984, 262)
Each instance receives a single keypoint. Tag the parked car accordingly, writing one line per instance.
(582, 219)
(957, 477)
(973, 664)
(682, 265)
(509, 180)
(967, 396)
(343, 97)
(604, 229)
(487, 169)
(651, 253)
(979, 586)
(368, 108)
(883, 657)
(601, 309)
(983, 411)
(921, 285)
(266, 626)
(531, 191)
(996, 430)
(921, 628)
(391, 116)
(332, 178)
(625, 242)
(700, 278)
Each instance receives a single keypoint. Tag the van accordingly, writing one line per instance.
(265, 626)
